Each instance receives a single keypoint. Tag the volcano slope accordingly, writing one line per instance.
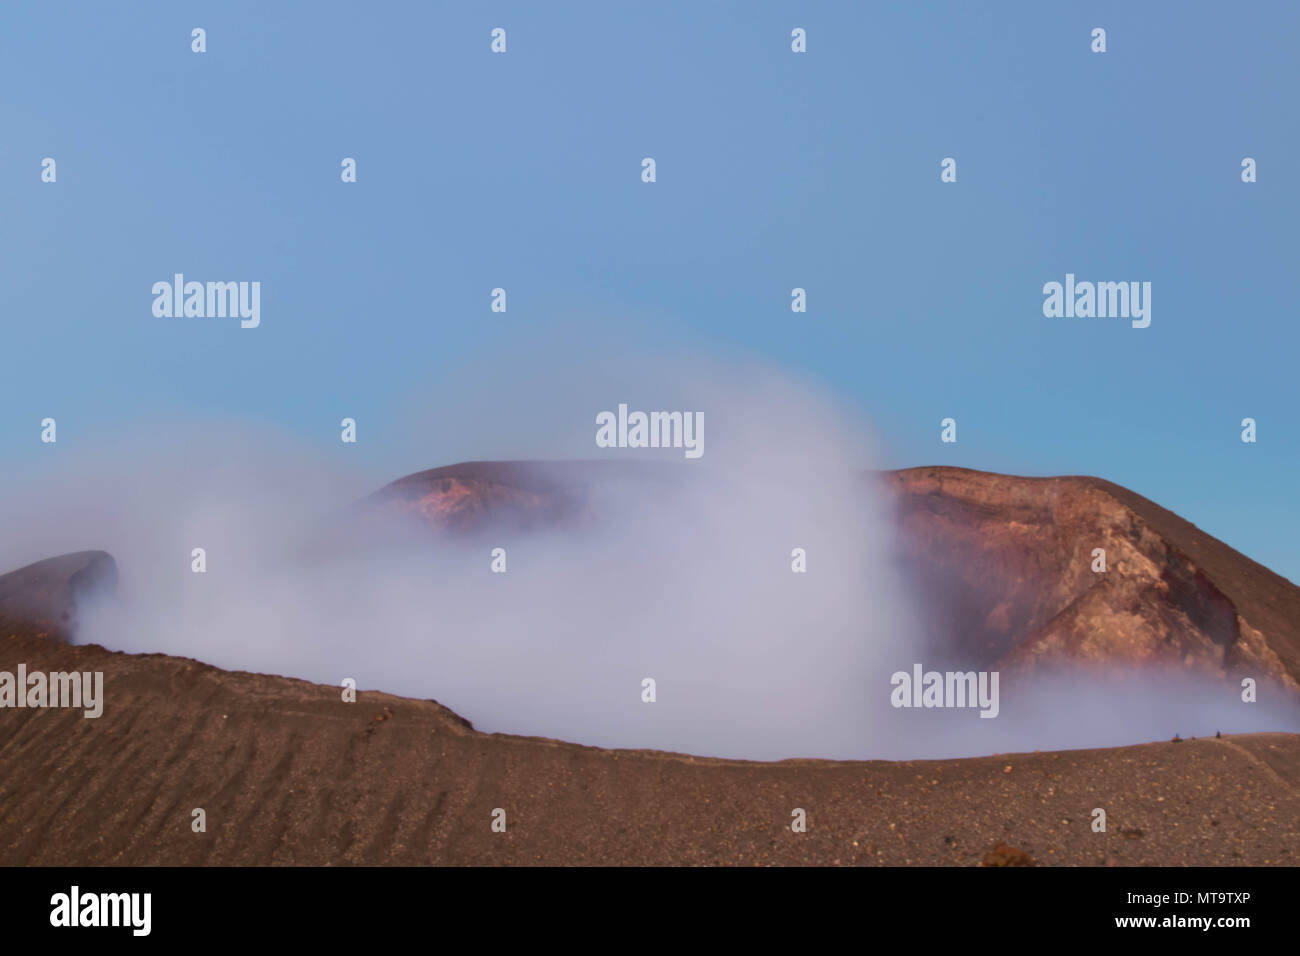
(286, 772)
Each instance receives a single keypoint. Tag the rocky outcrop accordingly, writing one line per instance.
(1007, 566)
(42, 597)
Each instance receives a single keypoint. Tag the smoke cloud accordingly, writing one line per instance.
(679, 571)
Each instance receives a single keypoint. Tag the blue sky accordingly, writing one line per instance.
(775, 170)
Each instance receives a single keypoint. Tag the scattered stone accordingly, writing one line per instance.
(1006, 855)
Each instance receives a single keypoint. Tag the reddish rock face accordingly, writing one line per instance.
(521, 496)
(1008, 563)
(457, 504)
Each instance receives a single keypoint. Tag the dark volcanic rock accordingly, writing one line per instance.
(42, 597)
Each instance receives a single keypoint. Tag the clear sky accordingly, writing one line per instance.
(775, 170)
